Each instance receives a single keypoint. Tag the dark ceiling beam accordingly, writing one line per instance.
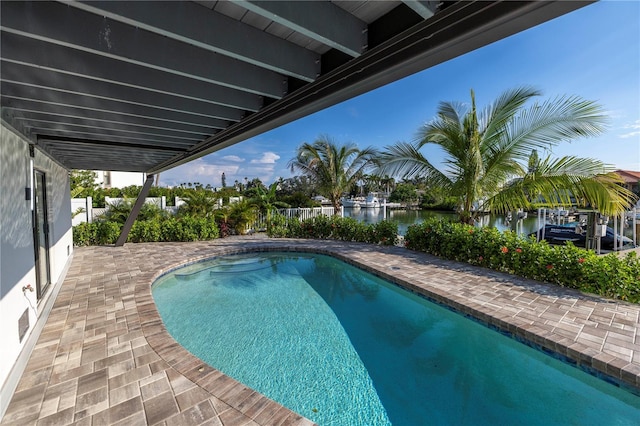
(52, 57)
(70, 141)
(60, 113)
(425, 8)
(240, 41)
(126, 161)
(66, 130)
(458, 29)
(319, 20)
(86, 151)
(79, 153)
(46, 120)
(135, 115)
(60, 24)
(11, 96)
(19, 74)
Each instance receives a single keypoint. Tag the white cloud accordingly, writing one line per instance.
(209, 169)
(198, 171)
(629, 135)
(267, 158)
(634, 125)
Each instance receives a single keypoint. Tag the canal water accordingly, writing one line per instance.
(404, 218)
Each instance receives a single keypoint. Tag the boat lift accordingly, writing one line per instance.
(595, 225)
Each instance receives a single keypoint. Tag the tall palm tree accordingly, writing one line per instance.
(333, 168)
(486, 150)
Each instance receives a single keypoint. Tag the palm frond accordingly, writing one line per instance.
(564, 182)
(405, 159)
(541, 126)
(494, 117)
(452, 111)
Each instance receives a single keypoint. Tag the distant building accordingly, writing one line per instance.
(111, 179)
(631, 179)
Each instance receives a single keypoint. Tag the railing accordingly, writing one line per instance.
(301, 213)
(99, 211)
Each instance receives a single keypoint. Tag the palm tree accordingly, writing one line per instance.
(333, 168)
(486, 150)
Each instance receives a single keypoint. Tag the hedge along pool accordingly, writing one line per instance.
(343, 347)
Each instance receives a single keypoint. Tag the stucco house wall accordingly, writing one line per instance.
(17, 254)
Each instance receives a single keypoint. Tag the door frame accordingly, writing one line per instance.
(41, 241)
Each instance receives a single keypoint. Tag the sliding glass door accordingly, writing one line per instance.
(41, 234)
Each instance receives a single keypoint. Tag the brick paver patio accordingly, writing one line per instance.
(104, 356)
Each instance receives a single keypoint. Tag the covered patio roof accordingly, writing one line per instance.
(146, 86)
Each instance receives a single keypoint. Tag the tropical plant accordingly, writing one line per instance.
(236, 216)
(333, 168)
(266, 200)
(200, 202)
(486, 150)
(119, 211)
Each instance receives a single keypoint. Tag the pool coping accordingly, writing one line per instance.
(105, 342)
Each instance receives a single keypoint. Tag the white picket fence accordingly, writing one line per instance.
(82, 210)
(86, 213)
(294, 213)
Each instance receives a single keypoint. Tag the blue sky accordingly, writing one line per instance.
(593, 52)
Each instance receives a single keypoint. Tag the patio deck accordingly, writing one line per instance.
(104, 356)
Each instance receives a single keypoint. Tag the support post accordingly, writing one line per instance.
(89, 209)
(134, 211)
(635, 223)
(615, 233)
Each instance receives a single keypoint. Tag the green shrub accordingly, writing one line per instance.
(347, 229)
(160, 228)
(145, 231)
(385, 233)
(107, 233)
(278, 226)
(568, 266)
(84, 234)
(334, 227)
(96, 233)
(188, 228)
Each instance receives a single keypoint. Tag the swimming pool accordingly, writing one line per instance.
(341, 346)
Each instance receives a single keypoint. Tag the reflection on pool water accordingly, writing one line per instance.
(343, 347)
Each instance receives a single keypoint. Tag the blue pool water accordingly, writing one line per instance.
(343, 347)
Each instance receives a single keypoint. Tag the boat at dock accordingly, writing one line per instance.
(350, 203)
(371, 202)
